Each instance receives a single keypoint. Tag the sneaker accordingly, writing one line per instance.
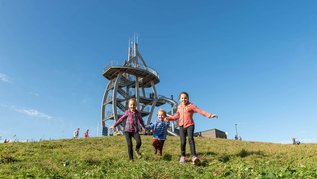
(138, 154)
(195, 160)
(182, 160)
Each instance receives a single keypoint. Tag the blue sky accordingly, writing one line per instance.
(251, 62)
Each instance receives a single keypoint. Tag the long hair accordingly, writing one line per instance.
(185, 93)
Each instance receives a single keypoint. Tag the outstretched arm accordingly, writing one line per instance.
(148, 127)
(119, 121)
(172, 118)
(204, 113)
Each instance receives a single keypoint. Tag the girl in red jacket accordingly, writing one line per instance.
(185, 111)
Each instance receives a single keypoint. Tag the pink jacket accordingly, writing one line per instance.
(185, 114)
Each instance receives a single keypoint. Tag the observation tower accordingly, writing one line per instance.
(132, 79)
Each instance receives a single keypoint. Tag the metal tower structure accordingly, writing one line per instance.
(131, 79)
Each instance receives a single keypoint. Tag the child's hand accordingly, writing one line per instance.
(213, 116)
(165, 119)
(111, 127)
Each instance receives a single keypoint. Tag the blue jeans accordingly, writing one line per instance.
(183, 133)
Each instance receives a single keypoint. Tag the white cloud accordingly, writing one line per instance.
(29, 112)
(33, 113)
(4, 77)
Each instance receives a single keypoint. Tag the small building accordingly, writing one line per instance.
(212, 133)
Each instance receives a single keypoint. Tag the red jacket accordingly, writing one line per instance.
(185, 114)
(86, 134)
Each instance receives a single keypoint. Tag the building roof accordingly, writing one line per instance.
(214, 129)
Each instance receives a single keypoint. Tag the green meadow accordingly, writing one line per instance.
(106, 157)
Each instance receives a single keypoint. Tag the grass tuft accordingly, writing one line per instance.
(7, 159)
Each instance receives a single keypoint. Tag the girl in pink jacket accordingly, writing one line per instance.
(184, 114)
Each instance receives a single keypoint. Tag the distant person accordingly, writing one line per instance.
(86, 134)
(184, 114)
(76, 133)
(132, 118)
(159, 132)
(297, 142)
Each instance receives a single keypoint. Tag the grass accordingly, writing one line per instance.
(107, 157)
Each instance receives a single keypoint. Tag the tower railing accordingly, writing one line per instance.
(114, 63)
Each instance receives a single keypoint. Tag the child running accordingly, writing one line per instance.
(159, 132)
(184, 113)
(131, 129)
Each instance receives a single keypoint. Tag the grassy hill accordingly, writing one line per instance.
(107, 157)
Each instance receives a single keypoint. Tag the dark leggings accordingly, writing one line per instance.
(183, 133)
(128, 137)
